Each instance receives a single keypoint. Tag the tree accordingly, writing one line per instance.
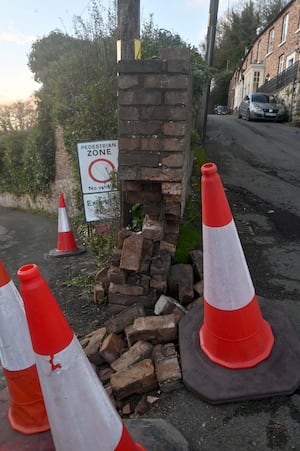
(268, 10)
(236, 32)
(154, 38)
(17, 116)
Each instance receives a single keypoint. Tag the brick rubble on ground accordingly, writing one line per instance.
(136, 350)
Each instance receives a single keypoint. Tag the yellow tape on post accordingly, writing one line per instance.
(137, 49)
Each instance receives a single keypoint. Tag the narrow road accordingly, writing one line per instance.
(26, 238)
(260, 166)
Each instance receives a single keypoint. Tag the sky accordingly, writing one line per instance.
(24, 21)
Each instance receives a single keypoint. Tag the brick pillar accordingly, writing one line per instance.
(155, 160)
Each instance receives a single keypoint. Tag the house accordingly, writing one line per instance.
(272, 64)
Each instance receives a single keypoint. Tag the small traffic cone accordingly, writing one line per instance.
(26, 413)
(80, 412)
(66, 245)
(237, 357)
(234, 333)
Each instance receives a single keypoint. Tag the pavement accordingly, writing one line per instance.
(153, 435)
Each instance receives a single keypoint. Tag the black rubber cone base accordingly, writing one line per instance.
(55, 253)
(279, 374)
(156, 435)
(153, 435)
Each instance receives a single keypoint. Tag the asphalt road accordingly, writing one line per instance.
(260, 170)
(259, 164)
(26, 238)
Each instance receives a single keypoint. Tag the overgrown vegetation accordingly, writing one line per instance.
(26, 148)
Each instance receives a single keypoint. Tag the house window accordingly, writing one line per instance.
(284, 29)
(256, 81)
(280, 64)
(290, 62)
(271, 40)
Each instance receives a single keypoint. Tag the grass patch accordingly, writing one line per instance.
(189, 239)
(190, 233)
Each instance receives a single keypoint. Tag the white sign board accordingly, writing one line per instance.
(98, 164)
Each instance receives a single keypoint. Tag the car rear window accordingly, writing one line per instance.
(264, 98)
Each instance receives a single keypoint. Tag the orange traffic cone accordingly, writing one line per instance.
(234, 333)
(66, 245)
(237, 357)
(80, 412)
(27, 413)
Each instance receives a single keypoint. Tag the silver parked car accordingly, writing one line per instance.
(262, 106)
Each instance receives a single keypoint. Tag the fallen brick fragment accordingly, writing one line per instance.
(112, 347)
(131, 290)
(126, 410)
(152, 230)
(198, 288)
(147, 300)
(166, 305)
(104, 373)
(168, 372)
(197, 263)
(118, 322)
(141, 408)
(181, 281)
(139, 378)
(139, 351)
(101, 276)
(99, 293)
(131, 252)
(92, 343)
(159, 283)
(116, 275)
(122, 235)
(155, 329)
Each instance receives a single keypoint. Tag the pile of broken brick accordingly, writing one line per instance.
(136, 350)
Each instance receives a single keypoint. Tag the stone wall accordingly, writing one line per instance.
(155, 160)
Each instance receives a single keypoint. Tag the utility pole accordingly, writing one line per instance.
(128, 48)
(128, 45)
(209, 57)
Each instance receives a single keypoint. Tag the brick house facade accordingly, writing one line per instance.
(272, 63)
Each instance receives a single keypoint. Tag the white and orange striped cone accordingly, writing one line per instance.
(79, 410)
(26, 413)
(227, 348)
(234, 333)
(66, 244)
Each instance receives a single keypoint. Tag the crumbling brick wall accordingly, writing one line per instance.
(155, 160)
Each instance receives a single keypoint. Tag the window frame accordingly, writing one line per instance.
(281, 64)
(284, 28)
(271, 40)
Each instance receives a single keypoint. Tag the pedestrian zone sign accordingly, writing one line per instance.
(98, 165)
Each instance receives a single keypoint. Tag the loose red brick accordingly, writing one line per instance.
(139, 378)
(139, 351)
(112, 347)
